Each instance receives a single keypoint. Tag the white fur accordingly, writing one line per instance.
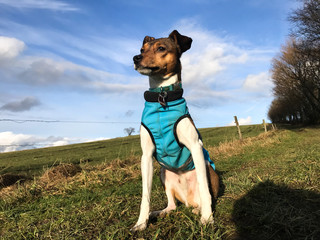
(155, 82)
(147, 173)
(188, 136)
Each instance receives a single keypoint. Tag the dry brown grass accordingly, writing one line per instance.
(61, 171)
(57, 179)
(236, 146)
(50, 180)
(270, 191)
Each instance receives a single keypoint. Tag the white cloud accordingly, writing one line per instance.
(10, 141)
(46, 72)
(259, 83)
(122, 50)
(96, 139)
(10, 48)
(242, 121)
(215, 66)
(103, 50)
(203, 97)
(209, 55)
(22, 105)
(39, 4)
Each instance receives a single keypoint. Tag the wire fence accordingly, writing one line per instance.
(64, 121)
(49, 144)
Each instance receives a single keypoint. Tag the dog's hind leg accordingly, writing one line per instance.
(213, 181)
(170, 207)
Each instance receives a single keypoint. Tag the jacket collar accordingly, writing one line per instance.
(172, 87)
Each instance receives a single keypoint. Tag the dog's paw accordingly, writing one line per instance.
(155, 214)
(139, 227)
(196, 211)
(207, 220)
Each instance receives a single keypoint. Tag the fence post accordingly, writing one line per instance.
(237, 123)
(264, 125)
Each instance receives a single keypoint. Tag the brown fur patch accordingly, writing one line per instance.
(161, 55)
(213, 181)
(190, 199)
(177, 196)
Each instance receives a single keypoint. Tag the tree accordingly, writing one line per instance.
(306, 21)
(129, 130)
(295, 71)
(296, 78)
(306, 29)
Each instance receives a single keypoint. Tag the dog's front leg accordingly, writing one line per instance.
(188, 136)
(148, 149)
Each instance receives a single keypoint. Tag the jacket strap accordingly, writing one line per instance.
(171, 95)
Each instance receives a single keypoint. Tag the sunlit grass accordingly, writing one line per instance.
(270, 190)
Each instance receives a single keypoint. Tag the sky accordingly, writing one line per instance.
(67, 76)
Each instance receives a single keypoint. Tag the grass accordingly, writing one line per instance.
(33, 162)
(270, 190)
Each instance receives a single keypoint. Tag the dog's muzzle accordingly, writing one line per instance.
(137, 59)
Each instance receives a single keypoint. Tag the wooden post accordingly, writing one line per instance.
(237, 123)
(264, 125)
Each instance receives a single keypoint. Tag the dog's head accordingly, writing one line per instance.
(161, 57)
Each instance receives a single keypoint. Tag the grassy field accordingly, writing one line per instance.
(270, 190)
(33, 162)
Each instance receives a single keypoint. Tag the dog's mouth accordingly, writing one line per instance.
(147, 70)
(154, 69)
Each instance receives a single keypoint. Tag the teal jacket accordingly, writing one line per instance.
(161, 123)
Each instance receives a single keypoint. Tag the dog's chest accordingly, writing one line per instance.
(161, 123)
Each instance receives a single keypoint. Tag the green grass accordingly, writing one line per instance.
(270, 190)
(32, 162)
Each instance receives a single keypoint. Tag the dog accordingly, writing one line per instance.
(169, 135)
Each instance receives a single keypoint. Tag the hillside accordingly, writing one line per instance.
(270, 190)
(33, 162)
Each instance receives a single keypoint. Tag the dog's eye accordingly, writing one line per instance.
(141, 50)
(161, 49)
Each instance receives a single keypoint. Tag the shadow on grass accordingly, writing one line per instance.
(222, 186)
(271, 211)
(297, 127)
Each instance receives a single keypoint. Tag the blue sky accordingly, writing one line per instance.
(71, 62)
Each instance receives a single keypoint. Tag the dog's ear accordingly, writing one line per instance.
(148, 39)
(184, 42)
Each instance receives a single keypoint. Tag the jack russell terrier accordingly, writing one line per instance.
(169, 135)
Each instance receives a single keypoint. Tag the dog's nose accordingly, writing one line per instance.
(137, 58)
